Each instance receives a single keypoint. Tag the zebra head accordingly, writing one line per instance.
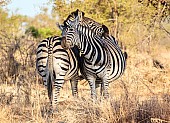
(72, 18)
(77, 17)
(70, 36)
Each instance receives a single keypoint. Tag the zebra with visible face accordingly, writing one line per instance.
(102, 57)
(98, 29)
(57, 65)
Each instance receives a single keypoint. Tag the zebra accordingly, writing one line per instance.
(98, 29)
(102, 58)
(56, 65)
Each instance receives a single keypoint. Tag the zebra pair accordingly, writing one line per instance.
(102, 56)
(55, 64)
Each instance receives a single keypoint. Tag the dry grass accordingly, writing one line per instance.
(140, 95)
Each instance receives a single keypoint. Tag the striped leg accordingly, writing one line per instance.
(54, 101)
(101, 89)
(91, 80)
(55, 93)
(74, 88)
(99, 85)
(105, 86)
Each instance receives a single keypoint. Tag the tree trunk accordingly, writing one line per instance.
(115, 17)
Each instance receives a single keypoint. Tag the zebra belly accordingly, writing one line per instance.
(116, 68)
(94, 70)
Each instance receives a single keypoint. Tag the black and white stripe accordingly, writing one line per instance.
(98, 29)
(57, 65)
(102, 56)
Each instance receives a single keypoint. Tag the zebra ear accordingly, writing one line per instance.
(106, 30)
(60, 26)
(80, 12)
(80, 15)
(83, 14)
(76, 12)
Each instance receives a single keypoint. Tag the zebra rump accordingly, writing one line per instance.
(57, 65)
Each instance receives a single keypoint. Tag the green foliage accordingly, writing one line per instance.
(33, 31)
(45, 32)
(10, 25)
(44, 23)
(39, 33)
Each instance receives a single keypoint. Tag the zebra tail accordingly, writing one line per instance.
(49, 86)
(50, 81)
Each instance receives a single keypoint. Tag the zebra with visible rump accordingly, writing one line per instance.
(57, 65)
(102, 57)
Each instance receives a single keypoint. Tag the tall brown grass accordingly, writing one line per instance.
(140, 95)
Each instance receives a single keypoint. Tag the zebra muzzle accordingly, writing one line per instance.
(63, 43)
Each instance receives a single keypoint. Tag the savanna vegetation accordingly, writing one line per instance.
(141, 95)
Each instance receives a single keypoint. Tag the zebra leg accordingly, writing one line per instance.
(91, 80)
(74, 88)
(99, 84)
(55, 93)
(54, 101)
(105, 87)
(101, 89)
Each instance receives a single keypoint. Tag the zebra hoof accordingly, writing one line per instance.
(52, 112)
(106, 96)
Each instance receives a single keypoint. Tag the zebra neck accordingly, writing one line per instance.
(92, 48)
(84, 30)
